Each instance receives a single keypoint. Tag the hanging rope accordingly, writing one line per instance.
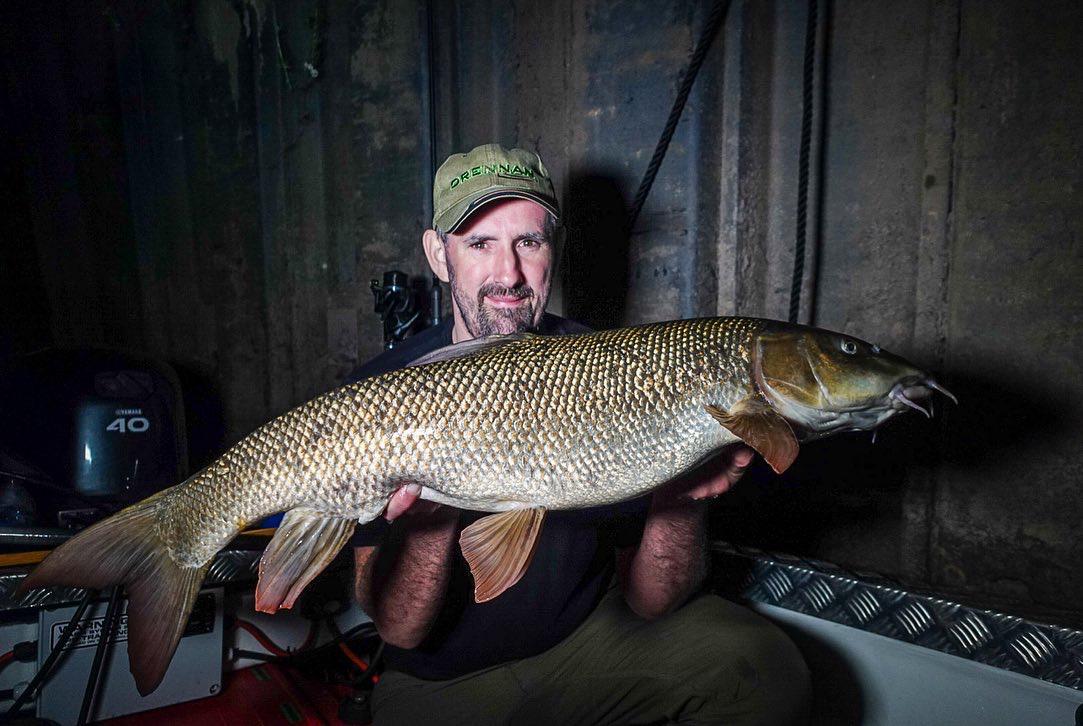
(808, 83)
(706, 38)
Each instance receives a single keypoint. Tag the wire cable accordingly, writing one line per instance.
(112, 615)
(239, 654)
(706, 38)
(276, 652)
(75, 625)
(26, 651)
(310, 639)
(807, 101)
(353, 657)
(262, 638)
(366, 668)
(430, 52)
(273, 648)
(374, 662)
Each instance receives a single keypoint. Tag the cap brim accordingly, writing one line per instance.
(462, 211)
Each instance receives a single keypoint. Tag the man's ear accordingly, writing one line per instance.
(435, 254)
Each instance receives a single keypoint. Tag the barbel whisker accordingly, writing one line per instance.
(899, 396)
(937, 387)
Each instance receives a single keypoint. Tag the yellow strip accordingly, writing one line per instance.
(22, 558)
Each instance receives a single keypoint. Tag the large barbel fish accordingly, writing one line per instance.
(514, 425)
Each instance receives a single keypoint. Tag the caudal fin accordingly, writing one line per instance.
(126, 549)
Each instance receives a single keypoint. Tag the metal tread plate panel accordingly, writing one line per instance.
(874, 604)
(229, 567)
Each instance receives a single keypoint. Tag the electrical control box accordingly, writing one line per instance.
(195, 672)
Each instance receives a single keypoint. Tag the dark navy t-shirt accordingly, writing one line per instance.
(572, 567)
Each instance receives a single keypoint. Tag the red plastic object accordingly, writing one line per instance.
(263, 695)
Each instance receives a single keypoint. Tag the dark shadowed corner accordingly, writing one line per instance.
(204, 414)
(596, 250)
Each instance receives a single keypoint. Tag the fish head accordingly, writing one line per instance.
(824, 382)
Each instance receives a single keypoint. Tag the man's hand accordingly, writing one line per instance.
(699, 486)
(406, 499)
(670, 562)
(401, 584)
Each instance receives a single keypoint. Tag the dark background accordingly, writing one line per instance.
(214, 182)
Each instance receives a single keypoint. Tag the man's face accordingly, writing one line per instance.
(499, 265)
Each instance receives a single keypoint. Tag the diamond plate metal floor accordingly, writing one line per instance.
(1048, 652)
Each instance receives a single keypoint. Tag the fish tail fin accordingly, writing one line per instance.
(126, 549)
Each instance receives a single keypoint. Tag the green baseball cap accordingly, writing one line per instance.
(466, 182)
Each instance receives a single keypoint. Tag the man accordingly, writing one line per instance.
(564, 645)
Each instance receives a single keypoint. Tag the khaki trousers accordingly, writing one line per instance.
(710, 662)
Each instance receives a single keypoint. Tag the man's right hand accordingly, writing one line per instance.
(414, 566)
(407, 499)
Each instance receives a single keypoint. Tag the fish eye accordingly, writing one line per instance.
(849, 347)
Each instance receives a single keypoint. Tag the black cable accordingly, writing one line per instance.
(337, 637)
(710, 30)
(238, 654)
(340, 637)
(430, 41)
(807, 88)
(94, 679)
(370, 672)
(374, 662)
(75, 625)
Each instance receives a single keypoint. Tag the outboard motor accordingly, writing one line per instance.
(107, 428)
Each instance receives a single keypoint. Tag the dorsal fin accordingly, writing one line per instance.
(469, 347)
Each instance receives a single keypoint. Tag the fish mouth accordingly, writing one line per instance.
(902, 395)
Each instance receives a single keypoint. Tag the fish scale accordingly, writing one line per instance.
(516, 425)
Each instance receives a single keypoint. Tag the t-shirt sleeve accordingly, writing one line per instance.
(370, 534)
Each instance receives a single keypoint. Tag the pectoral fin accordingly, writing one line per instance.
(499, 549)
(304, 544)
(762, 428)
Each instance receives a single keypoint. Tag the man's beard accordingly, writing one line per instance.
(483, 319)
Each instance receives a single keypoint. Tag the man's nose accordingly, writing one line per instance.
(509, 271)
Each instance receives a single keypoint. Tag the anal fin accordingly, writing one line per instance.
(305, 543)
(499, 549)
(761, 427)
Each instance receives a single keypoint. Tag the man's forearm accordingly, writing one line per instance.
(670, 562)
(401, 584)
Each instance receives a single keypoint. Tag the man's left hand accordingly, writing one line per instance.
(712, 482)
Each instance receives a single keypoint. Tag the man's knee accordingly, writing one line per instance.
(745, 658)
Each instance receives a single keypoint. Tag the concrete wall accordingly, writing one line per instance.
(951, 220)
(230, 208)
(259, 164)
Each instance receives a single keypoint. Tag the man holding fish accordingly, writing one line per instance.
(606, 625)
(523, 427)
